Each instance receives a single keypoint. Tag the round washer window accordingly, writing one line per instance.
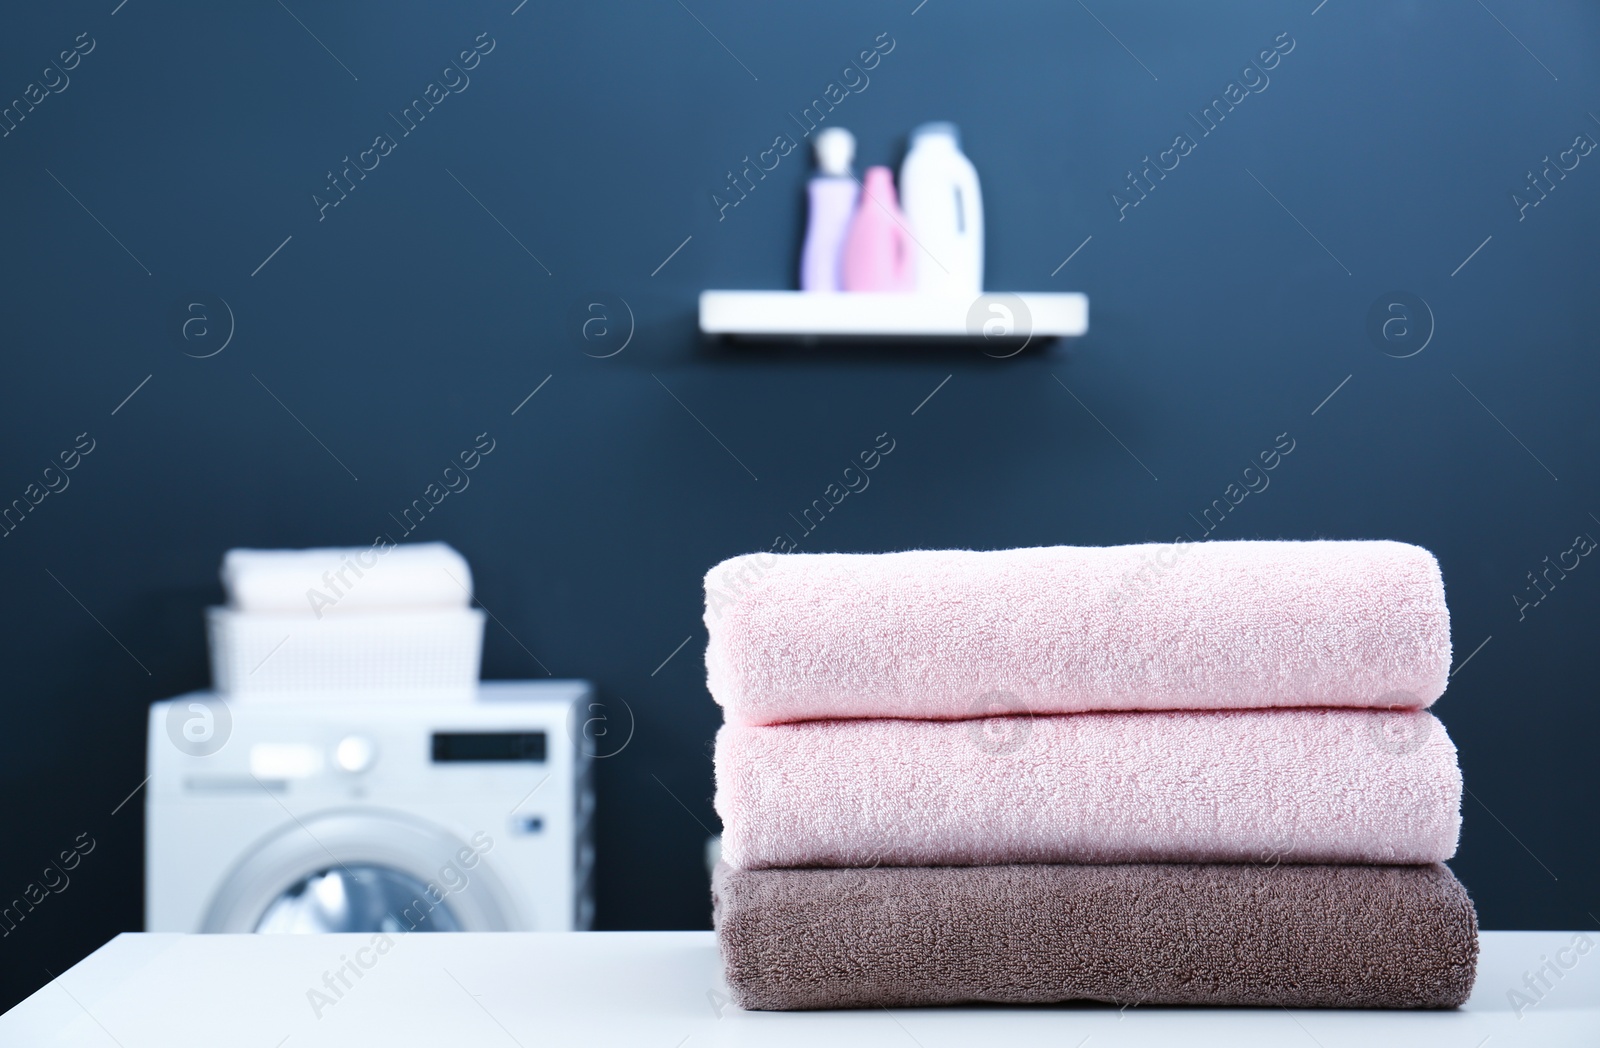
(350, 869)
(356, 898)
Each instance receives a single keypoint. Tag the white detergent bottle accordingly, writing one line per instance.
(940, 197)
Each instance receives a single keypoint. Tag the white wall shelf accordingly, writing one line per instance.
(808, 316)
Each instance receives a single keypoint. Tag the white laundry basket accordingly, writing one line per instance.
(383, 655)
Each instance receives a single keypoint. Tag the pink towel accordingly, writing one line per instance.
(950, 634)
(1299, 786)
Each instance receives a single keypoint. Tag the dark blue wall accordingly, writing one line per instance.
(1226, 307)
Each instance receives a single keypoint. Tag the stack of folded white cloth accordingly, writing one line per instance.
(382, 621)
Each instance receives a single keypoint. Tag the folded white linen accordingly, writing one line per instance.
(337, 581)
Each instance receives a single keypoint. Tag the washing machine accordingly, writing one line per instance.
(359, 815)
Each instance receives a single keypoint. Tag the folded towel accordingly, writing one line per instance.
(319, 582)
(1228, 786)
(1208, 625)
(1292, 936)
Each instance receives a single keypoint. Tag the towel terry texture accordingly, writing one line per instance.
(1299, 786)
(1291, 936)
(952, 634)
(341, 581)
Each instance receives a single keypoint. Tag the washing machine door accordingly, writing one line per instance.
(361, 871)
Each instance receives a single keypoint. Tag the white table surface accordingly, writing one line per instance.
(665, 989)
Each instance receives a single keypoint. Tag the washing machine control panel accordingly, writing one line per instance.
(355, 754)
(488, 746)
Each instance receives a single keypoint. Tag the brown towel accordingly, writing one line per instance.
(1140, 933)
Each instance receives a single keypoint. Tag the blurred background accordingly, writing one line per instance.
(1429, 154)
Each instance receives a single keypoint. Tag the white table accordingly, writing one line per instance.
(644, 989)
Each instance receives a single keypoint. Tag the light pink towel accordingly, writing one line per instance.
(1300, 786)
(1061, 629)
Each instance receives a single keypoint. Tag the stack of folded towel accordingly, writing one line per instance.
(1192, 774)
(383, 621)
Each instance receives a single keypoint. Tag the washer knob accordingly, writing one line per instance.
(355, 753)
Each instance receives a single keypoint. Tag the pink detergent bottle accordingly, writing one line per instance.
(878, 249)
